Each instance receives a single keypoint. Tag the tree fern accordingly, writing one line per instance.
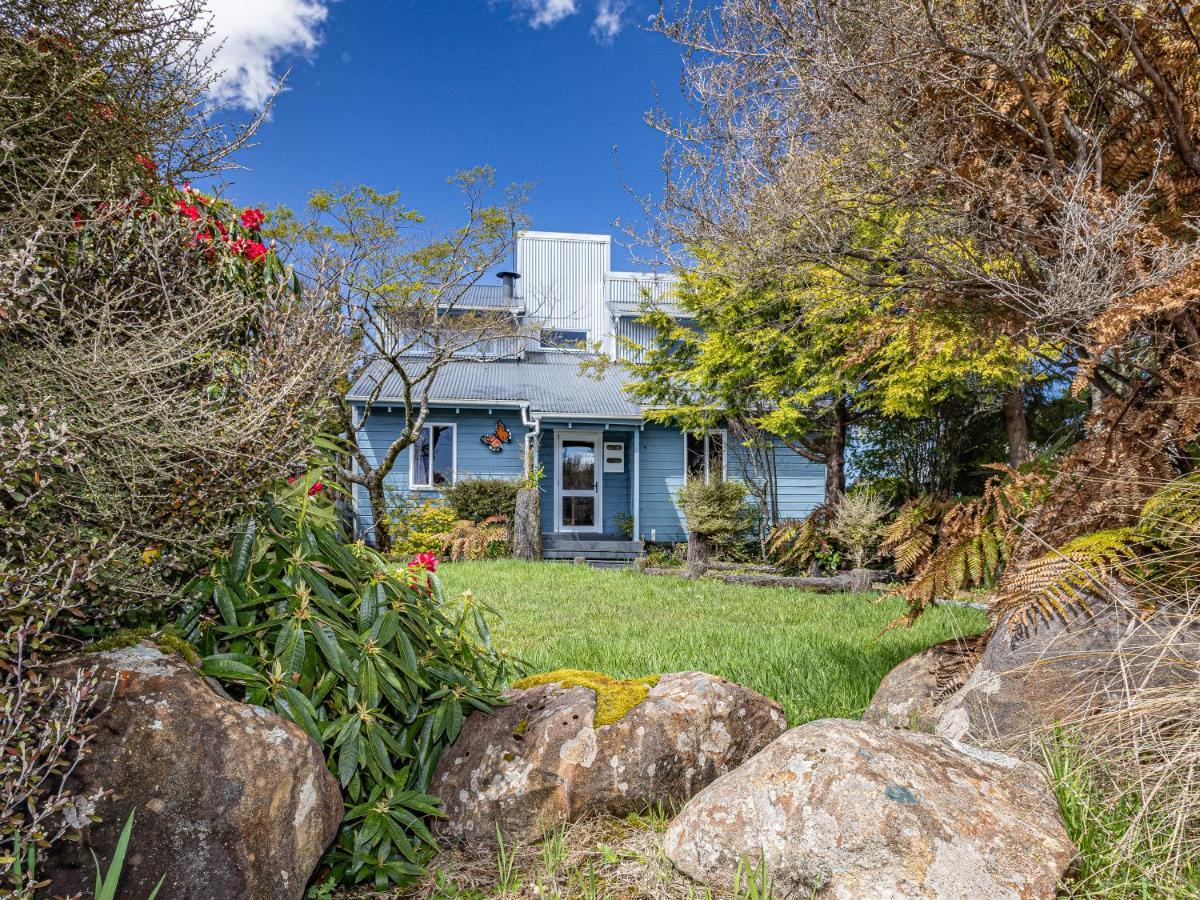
(1160, 554)
(794, 543)
(968, 543)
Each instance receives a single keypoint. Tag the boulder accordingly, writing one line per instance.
(543, 759)
(839, 808)
(1027, 681)
(231, 800)
(911, 695)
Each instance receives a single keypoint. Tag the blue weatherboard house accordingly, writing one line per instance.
(609, 476)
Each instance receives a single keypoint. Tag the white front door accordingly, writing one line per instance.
(577, 495)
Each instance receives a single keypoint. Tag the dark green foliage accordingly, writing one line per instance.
(477, 499)
(368, 657)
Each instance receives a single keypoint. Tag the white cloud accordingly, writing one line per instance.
(253, 37)
(609, 20)
(546, 12)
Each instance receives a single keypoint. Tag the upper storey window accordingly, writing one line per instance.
(558, 339)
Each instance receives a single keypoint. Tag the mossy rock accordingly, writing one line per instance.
(614, 697)
(167, 640)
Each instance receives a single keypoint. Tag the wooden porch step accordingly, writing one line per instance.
(597, 548)
(591, 554)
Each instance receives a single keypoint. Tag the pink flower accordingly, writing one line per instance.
(426, 561)
(253, 218)
(316, 488)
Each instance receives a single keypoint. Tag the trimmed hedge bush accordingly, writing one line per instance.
(477, 499)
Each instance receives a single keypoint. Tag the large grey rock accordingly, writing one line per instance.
(847, 810)
(912, 694)
(541, 761)
(1027, 682)
(232, 801)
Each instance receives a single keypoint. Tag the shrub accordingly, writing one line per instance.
(857, 524)
(476, 499)
(716, 510)
(368, 657)
(420, 528)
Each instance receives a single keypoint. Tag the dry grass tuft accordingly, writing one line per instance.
(593, 859)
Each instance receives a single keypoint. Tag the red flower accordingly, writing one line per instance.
(426, 561)
(187, 210)
(104, 111)
(146, 163)
(316, 488)
(291, 479)
(253, 250)
(222, 231)
(253, 218)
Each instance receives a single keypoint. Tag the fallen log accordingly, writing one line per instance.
(744, 567)
(832, 584)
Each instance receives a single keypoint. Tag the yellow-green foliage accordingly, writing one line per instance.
(420, 529)
(167, 641)
(614, 697)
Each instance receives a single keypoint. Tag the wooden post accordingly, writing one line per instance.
(527, 525)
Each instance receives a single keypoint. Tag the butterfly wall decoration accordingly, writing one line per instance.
(498, 438)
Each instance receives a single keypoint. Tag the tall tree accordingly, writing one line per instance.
(1047, 152)
(407, 298)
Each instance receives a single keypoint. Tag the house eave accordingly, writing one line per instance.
(476, 403)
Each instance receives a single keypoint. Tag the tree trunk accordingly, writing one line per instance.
(1016, 427)
(378, 497)
(835, 454)
(527, 525)
(697, 554)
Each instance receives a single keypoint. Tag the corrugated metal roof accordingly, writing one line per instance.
(551, 383)
(479, 296)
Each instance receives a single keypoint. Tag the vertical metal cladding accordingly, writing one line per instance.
(562, 281)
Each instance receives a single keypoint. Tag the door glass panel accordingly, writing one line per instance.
(578, 512)
(578, 466)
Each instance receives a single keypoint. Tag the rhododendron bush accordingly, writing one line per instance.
(367, 656)
(185, 365)
(158, 368)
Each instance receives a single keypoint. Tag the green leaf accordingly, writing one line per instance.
(328, 645)
(224, 667)
(347, 762)
(243, 547)
(224, 600)
(371, 603)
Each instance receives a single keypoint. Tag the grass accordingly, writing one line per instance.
(820, 655)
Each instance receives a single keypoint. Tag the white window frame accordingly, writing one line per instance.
(724, 453)
(412, 457)
(583, 348)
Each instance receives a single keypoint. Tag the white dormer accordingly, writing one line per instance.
(562, 284)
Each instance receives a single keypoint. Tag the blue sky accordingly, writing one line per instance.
(403, 93)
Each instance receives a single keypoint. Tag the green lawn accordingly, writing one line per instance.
(817, 654)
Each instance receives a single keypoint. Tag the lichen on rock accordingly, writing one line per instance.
(614, 697)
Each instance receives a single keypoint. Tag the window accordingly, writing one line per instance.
(557, 339)
(704, 455)
(433, 457)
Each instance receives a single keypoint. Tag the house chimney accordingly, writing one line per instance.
(509, 280)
